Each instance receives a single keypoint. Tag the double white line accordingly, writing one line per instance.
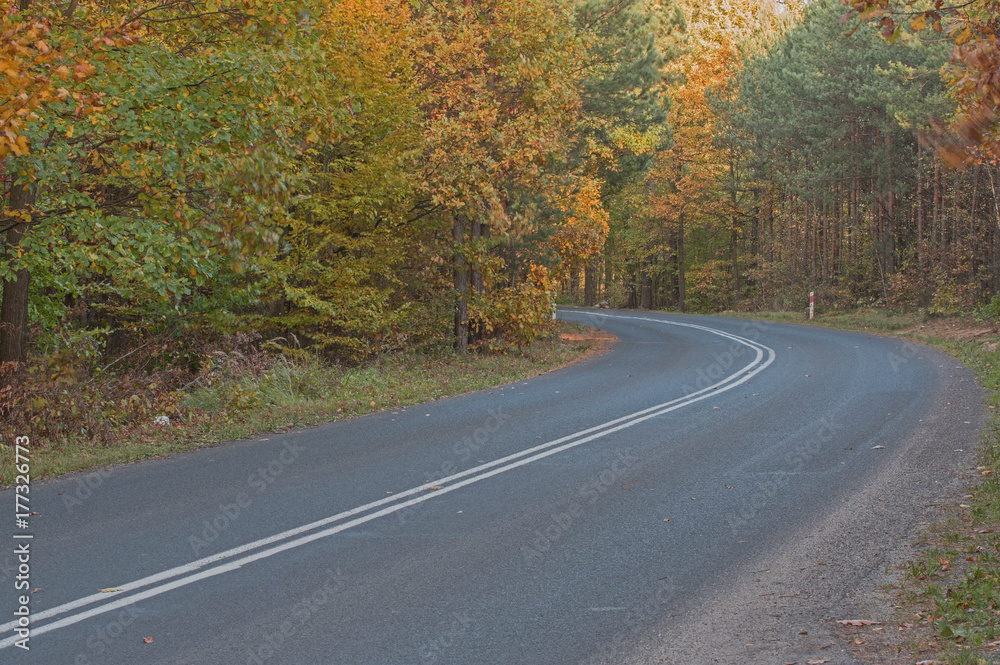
(237, 557)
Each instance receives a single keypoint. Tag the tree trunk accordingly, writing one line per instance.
(920, 230)
(574, 282)
(680, 263)
(646, 286)
(734, 237)
(609, 274)
(14, 310)
(972, 235)
(589, 284)
(936, 210)
(461, 287)
(477, 277)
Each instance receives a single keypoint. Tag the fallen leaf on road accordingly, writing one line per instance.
(858, 622)
(373, 403)
(877, 447)
(858, 641)
(109, 590)
(36, 589)
(148, 640)
(729, 487)
(818, 661)
(667, 520)
(434, 487)
(928, 662)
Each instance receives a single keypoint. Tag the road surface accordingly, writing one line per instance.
(709, 490)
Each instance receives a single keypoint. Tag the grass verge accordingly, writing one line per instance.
(949, 597)
(302, 391)
(867, 320)
(953, 589)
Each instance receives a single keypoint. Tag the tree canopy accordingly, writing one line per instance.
(370, 175)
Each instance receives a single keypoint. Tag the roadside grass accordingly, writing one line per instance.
(868, 320)
(949, 596)
(960, 596)
(298, 390)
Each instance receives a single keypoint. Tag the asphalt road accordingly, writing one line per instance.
(609, 512)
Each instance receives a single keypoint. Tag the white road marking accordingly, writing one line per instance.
(223, 563)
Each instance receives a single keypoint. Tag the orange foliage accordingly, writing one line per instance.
(493, 112)
(585, 226)
(686, 176)
(36, 72)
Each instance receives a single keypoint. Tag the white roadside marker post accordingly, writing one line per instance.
(811, 304)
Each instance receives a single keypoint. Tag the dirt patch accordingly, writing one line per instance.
(598, 338)
(956, 330)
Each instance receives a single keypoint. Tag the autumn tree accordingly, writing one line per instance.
(625, 108)
(148, 148)
(334, 278)
(690, 186)
(502, 81)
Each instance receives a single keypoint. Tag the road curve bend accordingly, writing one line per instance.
(710, 490)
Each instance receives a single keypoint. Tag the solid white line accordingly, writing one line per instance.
(191, 572)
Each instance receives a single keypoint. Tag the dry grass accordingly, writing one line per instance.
(245, 399)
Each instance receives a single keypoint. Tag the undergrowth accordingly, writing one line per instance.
(82, 410)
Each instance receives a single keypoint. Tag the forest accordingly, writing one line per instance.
(356, 178)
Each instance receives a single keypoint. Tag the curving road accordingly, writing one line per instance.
(710, 490)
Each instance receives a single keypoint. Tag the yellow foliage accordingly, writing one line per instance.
(585, 225)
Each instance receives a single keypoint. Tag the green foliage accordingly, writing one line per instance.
(177, 169)
(991, 310)
(825, 122)
(824, 104)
